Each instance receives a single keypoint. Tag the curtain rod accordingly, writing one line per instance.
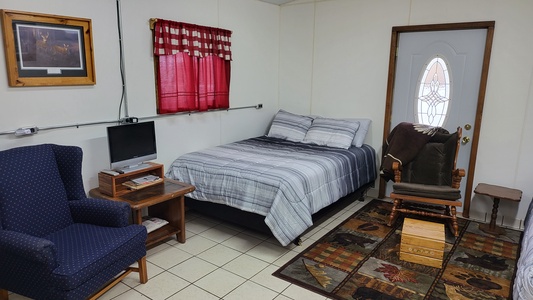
(77, 125)
(152, 23)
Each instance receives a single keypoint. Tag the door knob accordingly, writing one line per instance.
(466, 139)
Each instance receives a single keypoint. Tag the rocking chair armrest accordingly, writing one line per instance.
(397, 169)
(396, 166)
(459, 172)
(457, 176)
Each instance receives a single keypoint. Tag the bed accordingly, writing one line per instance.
(283, 179)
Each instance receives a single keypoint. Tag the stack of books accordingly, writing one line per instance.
(142, 182)
(153, 223)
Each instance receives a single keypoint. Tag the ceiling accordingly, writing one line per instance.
(277, 2)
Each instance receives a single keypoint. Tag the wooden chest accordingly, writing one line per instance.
(422, 242)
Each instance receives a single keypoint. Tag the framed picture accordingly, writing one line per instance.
(47, 50)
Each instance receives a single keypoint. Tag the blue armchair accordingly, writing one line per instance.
(55, 243)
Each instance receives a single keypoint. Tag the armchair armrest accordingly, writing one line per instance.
(100, 212)
(16, 246)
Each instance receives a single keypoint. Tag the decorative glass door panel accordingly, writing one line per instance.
(433, 96)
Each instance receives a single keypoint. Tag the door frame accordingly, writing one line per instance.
(396, 30)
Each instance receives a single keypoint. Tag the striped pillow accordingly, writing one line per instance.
(332, 132)
(289, 126)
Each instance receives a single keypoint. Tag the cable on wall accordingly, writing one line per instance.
(34, 129)
(124, 97)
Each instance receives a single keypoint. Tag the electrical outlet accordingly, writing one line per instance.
(26, 131)
(128, 120)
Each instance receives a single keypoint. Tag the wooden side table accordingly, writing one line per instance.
(165, 200)
(497, 193)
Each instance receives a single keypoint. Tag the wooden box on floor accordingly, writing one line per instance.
(422, 242)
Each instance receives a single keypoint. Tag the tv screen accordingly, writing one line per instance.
(130, 145)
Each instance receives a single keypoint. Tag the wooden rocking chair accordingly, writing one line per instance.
(431, 179)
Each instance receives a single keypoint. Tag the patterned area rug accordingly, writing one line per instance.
(360, 260)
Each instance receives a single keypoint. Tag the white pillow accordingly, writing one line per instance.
(364, 125)
(336, 133)
(289, 126)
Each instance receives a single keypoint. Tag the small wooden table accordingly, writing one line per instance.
(164, 200)
(497, 193)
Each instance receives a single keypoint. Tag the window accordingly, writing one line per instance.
(433, 96)
(192, 65)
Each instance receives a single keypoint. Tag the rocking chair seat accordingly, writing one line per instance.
(427, 191)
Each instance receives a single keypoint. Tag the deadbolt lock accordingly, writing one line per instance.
(468, 126)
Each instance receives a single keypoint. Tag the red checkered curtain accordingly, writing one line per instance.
(193, 66)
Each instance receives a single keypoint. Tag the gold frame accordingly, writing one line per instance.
(50, 75)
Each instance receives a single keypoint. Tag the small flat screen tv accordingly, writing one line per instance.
(130, 145)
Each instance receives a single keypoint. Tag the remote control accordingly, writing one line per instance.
(111, 172)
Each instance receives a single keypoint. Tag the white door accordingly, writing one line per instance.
(460, 53)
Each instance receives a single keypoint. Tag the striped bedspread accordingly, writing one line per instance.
(284, 181)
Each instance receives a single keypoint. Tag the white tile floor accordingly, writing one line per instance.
(221, 261)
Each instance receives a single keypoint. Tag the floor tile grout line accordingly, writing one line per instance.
(323, 225)
(222, 267)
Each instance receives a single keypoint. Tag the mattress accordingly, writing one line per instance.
(284, 181)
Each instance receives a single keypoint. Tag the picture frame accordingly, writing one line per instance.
(47, 50)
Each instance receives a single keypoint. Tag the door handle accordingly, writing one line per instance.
(466, 139)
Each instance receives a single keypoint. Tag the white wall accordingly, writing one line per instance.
(328, 58)
(255, 45)
(338, 52)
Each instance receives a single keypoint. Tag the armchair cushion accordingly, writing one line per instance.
(85, 250)
(100, 212)
(427, 191)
